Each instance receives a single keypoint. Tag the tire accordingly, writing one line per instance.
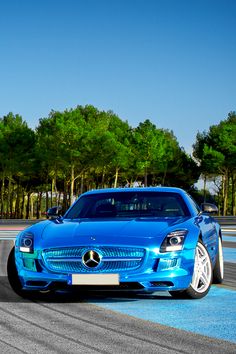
(13, 277)
(202, 276)
(218, 271)
(15, 282)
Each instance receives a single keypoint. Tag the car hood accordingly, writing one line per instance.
(106, 232)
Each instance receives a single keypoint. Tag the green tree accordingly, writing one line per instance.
(16, 156)
(159, 158)
(61, 138)
(120, 147)
(108, 144)
(216, 153)
(149, 148)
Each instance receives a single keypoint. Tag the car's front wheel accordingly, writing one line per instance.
(13, 277)
(202, 276)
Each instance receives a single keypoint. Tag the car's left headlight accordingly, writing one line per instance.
(27, 242)
(174, 241)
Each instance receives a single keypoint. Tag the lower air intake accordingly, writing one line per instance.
(161, 283)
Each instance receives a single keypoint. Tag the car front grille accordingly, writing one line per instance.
(111, 259)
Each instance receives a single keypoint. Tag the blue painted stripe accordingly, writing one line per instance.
(213, 316)
(229, 238)
(229, 254)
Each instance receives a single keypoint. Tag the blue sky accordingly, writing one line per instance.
(171, 61)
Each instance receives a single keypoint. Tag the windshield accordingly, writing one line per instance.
(128, 205)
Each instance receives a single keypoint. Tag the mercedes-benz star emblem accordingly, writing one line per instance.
(91, 259)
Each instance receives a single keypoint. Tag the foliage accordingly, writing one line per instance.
(83, 148)
(215, 151)
(17, 143)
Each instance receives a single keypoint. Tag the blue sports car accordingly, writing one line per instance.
(141, 239)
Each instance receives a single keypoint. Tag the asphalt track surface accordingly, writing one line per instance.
(118, 322)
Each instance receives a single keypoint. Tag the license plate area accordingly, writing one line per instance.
(94, 279)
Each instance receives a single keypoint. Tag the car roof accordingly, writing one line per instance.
(138, 189)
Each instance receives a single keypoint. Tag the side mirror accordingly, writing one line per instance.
(54, 212)
(209, 208)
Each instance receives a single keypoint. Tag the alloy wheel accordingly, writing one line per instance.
(202, 274)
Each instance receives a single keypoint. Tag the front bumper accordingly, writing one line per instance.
(165, 272)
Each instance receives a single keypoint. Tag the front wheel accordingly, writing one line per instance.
(202, 276)
(13, 277)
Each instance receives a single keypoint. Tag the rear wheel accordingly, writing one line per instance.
(218, 271)
(202, 276)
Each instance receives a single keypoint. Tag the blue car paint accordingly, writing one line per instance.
(214, 316)
(229, 239)
(229, 254)
(142, 232)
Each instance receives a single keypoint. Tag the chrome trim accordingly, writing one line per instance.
(104, 259)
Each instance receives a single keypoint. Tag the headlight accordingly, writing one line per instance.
(174, 241)
(27, 242)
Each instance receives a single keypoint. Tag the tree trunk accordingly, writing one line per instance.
(116, 177)
(28, 206)
(47, 198)
(82, 184)
(12, 202)
(17, 205)
(8, 198)
(164, 176)
(225, 192)
(204, 188)
(103, 176)
(39, 203)
(145, 177)
(23, 205)
(219, 202)
(31, 214)
(64, 203)
(58, 197)
(233, 207)
(2, 197)
(53, 191)
(72, 184)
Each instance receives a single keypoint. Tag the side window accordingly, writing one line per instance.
(194, 204)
